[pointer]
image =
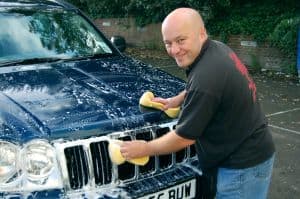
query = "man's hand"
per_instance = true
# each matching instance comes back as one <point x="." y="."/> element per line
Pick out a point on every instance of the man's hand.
<point x="134" y="149"/>
<point x="172" y="102"/>
<point x="165" y="144"/>
<point x="164" y="101"/>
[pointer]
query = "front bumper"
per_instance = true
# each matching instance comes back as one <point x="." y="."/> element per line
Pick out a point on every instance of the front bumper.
<point x="143" y="187"/>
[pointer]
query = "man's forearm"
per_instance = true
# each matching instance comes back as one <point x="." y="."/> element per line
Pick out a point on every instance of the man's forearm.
<point x="181" y="95"/>
<point x="168" y="143"/>
<point x="178" y="99"/>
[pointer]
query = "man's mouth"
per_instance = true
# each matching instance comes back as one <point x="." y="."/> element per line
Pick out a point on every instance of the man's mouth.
<point x="179" y="57"/>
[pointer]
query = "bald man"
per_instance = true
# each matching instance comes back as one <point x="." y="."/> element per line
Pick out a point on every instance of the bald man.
<point x="220" y="113"/>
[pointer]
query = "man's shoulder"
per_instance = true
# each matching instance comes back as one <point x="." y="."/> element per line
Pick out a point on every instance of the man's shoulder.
<point x="220" y="45"/>
<point x="216" y="57"/>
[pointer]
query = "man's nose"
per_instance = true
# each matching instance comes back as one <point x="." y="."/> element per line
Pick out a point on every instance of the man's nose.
<point x="174" y="49"/>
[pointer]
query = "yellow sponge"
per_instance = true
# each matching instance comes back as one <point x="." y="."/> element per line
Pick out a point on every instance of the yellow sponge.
<point x="146" y="100"/>
<point x="117" y="158"/>
<point x="114" y="152"/>
<point x="139" y="161"/>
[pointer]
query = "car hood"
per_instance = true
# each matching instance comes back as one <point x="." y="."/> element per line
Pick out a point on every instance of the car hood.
<point x="79" y="97"/>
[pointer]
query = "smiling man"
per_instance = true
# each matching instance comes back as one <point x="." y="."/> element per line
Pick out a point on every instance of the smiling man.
<point x="220" y="113"/>
<point x="184" y="38"/>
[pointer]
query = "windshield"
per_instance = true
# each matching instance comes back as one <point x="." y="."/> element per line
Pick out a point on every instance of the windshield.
<point x="37" y="34"/>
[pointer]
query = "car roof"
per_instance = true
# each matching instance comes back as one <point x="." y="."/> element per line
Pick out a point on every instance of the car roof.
<point x="35" y="3"/>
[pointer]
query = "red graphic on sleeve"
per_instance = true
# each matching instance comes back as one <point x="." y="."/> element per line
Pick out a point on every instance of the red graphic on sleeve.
<point x="243" y="70"/>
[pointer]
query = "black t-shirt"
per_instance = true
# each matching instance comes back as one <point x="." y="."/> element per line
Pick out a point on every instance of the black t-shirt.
<point x="222" y="113"/>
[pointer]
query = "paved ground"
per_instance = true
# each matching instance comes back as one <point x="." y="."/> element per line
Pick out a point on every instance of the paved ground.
<point x="280" y="99"/>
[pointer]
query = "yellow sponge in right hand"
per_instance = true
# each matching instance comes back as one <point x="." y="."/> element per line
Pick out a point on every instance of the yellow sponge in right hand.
<point x="114" y="152"/>
<point x="140" y="161"/>
<point x="117" y="158"/>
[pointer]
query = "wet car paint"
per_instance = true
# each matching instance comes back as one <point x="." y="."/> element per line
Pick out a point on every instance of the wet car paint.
<point x="61" y="98"/>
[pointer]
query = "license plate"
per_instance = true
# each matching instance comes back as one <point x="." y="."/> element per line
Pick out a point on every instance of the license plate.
<point x="184" y="190"/>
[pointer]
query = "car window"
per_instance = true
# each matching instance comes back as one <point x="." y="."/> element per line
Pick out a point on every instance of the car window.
<point x="30" y="34"/>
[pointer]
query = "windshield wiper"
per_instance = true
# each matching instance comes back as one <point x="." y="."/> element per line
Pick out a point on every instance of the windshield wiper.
<point x="92" y="56"/>
<point x="54" y="59"/>
<point x="100" y="55"/>
<point x="30" y="61"/>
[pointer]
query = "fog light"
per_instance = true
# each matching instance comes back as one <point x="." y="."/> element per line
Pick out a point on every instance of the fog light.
<point x="39" y="159"/>
<point x="8" y="161"/>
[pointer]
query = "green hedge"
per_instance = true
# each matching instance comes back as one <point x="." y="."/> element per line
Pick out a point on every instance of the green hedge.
<point x="273" y="22"/>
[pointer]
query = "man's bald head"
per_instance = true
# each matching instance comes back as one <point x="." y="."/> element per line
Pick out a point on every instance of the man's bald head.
<point x="184" y="34"/>
<point x="184" y="15"/>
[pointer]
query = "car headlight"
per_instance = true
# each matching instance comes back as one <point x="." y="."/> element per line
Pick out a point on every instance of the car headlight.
<point x="39" y="160"/>
<point x="9" y="166"/>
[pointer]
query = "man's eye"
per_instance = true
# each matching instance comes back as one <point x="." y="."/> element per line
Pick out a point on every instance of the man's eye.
<point x="180" y="41"/>
<point x="167" y="45"/>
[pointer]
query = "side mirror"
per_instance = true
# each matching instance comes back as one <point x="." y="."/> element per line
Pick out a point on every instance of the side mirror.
<point x="119" y="42"/>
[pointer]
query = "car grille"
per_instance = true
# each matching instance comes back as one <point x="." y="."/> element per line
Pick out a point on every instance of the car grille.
<point x="86" y="162"/>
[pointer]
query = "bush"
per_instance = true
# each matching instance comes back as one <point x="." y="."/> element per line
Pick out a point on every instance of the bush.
<point x="285" y="35"/>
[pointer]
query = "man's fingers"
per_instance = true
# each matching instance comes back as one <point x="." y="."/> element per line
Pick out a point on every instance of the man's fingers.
<point x="123" y="148"/>
<point x="160" y="100"/>
<point x="132" y="149"/>
<point x="124" y="152"/>
<point x="163" y="101"/>
<point x="126" y="149"/>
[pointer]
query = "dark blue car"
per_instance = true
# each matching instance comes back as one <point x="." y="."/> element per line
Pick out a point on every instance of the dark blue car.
<point x="65" y="91"/>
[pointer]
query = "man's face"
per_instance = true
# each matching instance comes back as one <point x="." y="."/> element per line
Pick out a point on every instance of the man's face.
<point x="183" y="43"/>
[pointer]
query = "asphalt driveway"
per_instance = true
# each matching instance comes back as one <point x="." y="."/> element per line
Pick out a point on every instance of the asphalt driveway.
<point x="280" y="99"/>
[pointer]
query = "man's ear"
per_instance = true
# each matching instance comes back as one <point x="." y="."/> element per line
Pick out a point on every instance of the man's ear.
<point x="203" y="35"/>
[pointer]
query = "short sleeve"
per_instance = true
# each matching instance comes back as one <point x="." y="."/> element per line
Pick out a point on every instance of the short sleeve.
<point x="197" y="111"/>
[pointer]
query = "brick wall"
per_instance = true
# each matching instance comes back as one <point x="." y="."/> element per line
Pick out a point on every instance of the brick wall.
<point x="257" y="54"/>
<point x="134" y="35"/>
<point x="251" y="52"/>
